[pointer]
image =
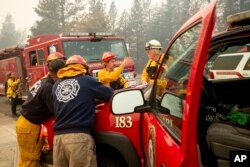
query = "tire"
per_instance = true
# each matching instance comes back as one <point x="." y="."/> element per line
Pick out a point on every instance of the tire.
<point x="109" y="157"/>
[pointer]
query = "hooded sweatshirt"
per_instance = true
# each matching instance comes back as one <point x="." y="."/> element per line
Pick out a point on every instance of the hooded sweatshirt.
<point x="38" y="106"/>
<point x="74" y="100"/>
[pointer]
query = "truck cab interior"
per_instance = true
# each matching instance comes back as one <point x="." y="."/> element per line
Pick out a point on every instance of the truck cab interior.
<point x="218" y="133"/>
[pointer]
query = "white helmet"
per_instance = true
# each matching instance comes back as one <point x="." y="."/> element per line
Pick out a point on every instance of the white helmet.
<point x="153" y="44"/>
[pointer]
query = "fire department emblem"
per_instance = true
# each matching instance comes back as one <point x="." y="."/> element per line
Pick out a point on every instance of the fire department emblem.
<point x="67" y="90"/>
<point x="151" y="146"/>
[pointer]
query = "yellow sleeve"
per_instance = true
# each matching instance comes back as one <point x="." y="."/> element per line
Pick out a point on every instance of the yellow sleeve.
<point x="170" y="60"/>
<point x="144" y="75"/>
<point x="10" y="82"/>
<point x="124" y="82"/>
<point x="106" y="77"/>
<point x="161" y="86"/>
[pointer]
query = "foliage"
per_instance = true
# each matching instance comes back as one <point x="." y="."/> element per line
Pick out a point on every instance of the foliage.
<point x="8" y="35"/>
<point x="95" y="20"/>
<point x="56" y="15"/>
<point x="136" y="25"/>
<point x="123" y="24"/>
<point x="141" y="23"/>
<point x="112" y="16"/>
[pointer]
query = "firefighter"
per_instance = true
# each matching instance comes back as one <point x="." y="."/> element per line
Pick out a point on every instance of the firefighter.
<point x="12" y="94"/>
<point x="74" y="103"/>
<point x="110" y="76"/>
<point x="6" y="83"/>
<point x="35" y="111"/>
<point x="153" y="49"/>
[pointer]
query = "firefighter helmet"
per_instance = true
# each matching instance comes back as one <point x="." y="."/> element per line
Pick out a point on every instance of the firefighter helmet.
<point x="76" y="59"/>
<point x="108" y="56"/>
<point x="54" y="56"/>
<point x="153" y="44"/>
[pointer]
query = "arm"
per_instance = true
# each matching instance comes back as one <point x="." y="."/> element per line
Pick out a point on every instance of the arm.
<point x="106" y="77"/>
<point x="46" y="95"/>
<point x="144" y="75"/>
<point x="100" y="91"/>
<point x="12" y="83"/>
<point x="124" y="82"/>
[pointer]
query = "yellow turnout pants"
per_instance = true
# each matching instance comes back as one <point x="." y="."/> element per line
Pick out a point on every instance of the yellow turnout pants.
<point x="29" y="144"/>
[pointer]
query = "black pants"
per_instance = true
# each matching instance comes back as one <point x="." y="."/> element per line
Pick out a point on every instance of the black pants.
<point x="14" y="103"/>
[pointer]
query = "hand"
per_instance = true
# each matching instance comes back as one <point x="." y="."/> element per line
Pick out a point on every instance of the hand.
<point x="45" y="149"/>
<point x="164" y="68"/>
<point x="135" y="74"/>
<point x="128" y="61"/>
<point x="144" y="83"/>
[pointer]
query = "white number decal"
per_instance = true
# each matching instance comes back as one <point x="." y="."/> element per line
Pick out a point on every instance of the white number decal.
<point x="123" y="122"/>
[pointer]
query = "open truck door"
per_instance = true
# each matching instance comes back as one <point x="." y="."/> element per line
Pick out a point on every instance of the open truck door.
<point x="169" y="132"/>
<point x="169" y="118"/>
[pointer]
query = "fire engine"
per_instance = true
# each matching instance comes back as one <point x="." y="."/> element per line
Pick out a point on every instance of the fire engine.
<point x="11" y="60"/>
<point x="29" y="61"/>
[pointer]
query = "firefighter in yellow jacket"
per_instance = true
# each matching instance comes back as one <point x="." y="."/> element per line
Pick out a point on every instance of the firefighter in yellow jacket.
<point x="153" y="50"/>
<point x="110" y="76"/>
<point x="12" y="94"/>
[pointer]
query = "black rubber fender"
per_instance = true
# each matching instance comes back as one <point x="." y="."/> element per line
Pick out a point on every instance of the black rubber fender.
<point x="121" y="143"/>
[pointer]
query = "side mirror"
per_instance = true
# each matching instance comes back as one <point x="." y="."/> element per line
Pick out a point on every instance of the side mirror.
<point x="125" y="102"/>
<point x="173" y="104"/>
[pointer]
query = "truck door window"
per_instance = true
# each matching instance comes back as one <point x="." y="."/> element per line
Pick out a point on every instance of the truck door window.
<point x="33" y="59"/>
<point x="227" y="62"/>
<point x="40" y="56"/>
<point x="171" y="86"/>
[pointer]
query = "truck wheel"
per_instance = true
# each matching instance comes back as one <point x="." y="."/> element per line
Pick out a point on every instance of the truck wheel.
<point x="109" y="157"/>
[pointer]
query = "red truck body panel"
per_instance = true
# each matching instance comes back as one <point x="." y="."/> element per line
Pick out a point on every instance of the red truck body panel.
<point x="11" y="61"/>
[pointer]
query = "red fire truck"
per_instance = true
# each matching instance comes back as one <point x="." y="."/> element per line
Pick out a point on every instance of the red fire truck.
<point x="29" y="61"/>
<point x="11" y="61"/>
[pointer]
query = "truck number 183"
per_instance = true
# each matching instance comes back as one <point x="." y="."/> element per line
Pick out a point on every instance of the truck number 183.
<point x="123" y="122"/>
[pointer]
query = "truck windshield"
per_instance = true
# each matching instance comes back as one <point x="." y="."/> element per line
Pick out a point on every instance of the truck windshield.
<point x="92" y="50"/>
